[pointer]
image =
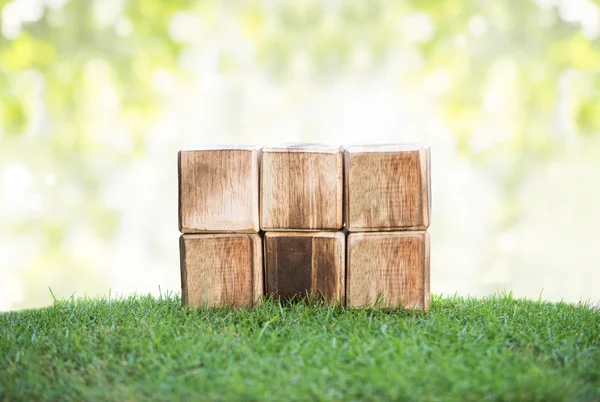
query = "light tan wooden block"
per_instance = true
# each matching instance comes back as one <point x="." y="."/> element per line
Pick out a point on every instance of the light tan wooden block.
<point x="389" y="268"/>
<point x="387" y="187"/>
<point x="301" y="263"/>
<point x="221" y="270"/>
<point x="218" y="190"/>
<point x="301" y="188"/>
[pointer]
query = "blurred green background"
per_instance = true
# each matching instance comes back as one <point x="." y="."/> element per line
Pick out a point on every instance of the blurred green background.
<point x="96" y="97"/>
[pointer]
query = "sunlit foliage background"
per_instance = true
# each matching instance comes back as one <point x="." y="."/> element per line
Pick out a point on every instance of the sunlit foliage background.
<point x="96" y="97"/>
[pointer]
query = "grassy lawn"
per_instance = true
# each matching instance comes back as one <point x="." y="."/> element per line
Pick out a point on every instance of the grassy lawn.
<point x="497" y="348"/>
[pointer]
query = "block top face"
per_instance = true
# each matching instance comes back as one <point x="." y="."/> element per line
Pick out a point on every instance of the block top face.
<point x="303" y="147"/>
<point x="218" y="189"/>
<point x="374" y="236"/>
<point x="384" y="148"/>
<point x="387" y="187"/>
<point x="326" y="235"/>
<point x="223" y="148"/>
<point x="301" y="188"/>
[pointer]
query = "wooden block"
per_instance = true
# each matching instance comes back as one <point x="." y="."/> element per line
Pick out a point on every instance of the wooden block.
<point x="221" y="269"/>
<point x="218" y="190"/>
<point x="297" y="263"/>
<point x="301" y="188"/>
<point x="387" y="187"/>
<point x="391" y="268"/>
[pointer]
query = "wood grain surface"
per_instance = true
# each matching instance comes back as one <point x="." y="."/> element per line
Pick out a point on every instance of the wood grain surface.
<point x="221" y="269"/>
<point x="301" y="263"/>
<point x="387" y="187"/>
<point x="301" y="188"/>
<point x="389" y="268"/>
<point x="218" y="190"/>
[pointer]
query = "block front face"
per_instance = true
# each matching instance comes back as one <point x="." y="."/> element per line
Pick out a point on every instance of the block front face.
<point x="387" y="187"/>
<point x="301" y="188"/>
<point x="218" y="190"/>
<point x="221" y="270"/>
<point x="391" y="269"/>
<point x="297" y="263"/>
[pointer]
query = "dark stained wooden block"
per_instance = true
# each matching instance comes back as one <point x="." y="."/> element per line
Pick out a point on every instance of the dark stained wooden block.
<point x="218" y="190"/>
<point x="390" y="268"/>
<point x="387" y="187"/>
<point x="221" y="269"/>
<point x="301" y="263"/>
<point x="301" y="188"/>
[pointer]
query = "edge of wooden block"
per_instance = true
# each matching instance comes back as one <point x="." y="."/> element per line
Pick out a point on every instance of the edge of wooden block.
<point x="258" y="191"/>
<point x="341" y="242"/>
<point x="426" y="272"/>
<point x="346" y="269"/>
<point x="264" y="265"/>
<point x="339" y="202"/>
<point x="183" y="272"/>
<point x="425" y="163"/>
<point x="261" y="172"/>
<point x="256" y="160"/>
<point x="179" y="214"/>
<point x="346" y="185"/>
<point x="257" y="264"/>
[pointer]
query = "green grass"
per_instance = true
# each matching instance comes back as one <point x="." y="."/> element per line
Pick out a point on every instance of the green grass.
<point x="140" y="348"/>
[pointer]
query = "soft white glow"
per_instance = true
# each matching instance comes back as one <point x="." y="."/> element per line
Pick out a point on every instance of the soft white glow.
<point x="546" y="4"/>
<point x="50" y="179"/>
<point x="438" y="82"/>
<point x="184" y="27"/>
<point x="583" y="12"/>
<point x="163" y="81"/>
<point x="107" y="12"/>
<point x="30" y="10"/>
<point x="34" y="202"/>
<point x="590" y="23"/>
<point x="418" y="27"/>
<point x="478" y="25"/>
<point x="124" y="27"/>
<point x="460" y="41"/>
<point x="11" y="21"/>
<point x="16" y="179"/>
<point x="11" y="289"/>
<point x="55" y="4"/>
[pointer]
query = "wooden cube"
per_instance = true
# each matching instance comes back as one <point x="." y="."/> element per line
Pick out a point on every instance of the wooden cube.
<point x="218" y="190"/>
<point x="301" y="263"/>
<point x="387" y="187"/>
<point x="388" y="270"/>
<point x="301" y="188"/>
<point x="221" y="269"/>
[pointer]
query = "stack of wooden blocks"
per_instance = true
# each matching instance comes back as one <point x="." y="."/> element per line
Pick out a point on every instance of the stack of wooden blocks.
<point x="345" y="225"/>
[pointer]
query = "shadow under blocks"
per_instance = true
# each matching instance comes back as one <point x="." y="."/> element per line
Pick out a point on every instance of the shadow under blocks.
<point x="347" y="226"/>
